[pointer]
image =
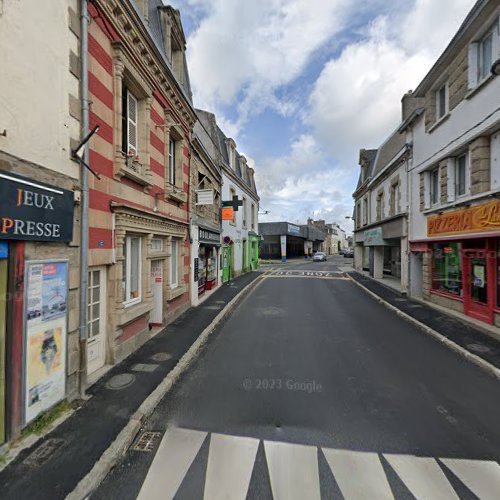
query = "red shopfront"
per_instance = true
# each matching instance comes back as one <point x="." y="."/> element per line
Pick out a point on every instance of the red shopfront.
<point x="465" y="267"/>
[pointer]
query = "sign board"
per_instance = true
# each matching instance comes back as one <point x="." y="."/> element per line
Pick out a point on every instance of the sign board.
<point x="292" y="229"/>
<point x="476" y="219"/>
<point x="196" y="269"/>
<point x="205" y="196"/>
<point x="228" y="213"/>
<point x="45" y="335"/>
<point x="206" y="236"/>
<point x="373" y="237"/>
<point x="31" y="210"/>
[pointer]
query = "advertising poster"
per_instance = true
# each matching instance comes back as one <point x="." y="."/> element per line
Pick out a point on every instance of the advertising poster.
<point x="45" y="336"/>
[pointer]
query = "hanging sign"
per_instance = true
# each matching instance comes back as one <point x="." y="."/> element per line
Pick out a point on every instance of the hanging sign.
<point x="228" y="213"/>
<point x="196" y="269"/>
<point x="205" y="196"/>
<point x="46" y="302"/>
<point x="31" y="210"/>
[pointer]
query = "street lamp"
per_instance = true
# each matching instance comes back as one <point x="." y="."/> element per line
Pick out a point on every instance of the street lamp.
<point x="495" y="68"/>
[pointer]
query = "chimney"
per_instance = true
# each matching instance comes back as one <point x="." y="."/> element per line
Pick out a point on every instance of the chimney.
<point x="409" y="103"/>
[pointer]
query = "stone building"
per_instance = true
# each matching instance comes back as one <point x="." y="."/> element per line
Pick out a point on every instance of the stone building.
<point x="39" y="221"/>
<point x="335" y="237"/>
<point x="139" y="208"/>
<point x="455" y="173"/>
<point x="206" y="229"/>
<point x="240" y="250"/>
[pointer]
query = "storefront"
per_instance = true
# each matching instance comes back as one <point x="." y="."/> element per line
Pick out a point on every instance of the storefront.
<point x="206" y="265"/>
<point x="253" y="250"/>
<point x="461" y="259"/>
<point x="36" y="227"/>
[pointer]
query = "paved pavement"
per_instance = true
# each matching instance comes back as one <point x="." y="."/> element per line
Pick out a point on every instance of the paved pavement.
<point x="53" y="466"/>
<point x="312" y="389"/>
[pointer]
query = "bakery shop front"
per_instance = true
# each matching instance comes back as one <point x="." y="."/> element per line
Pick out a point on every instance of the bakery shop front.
<point x="461" y="259"/>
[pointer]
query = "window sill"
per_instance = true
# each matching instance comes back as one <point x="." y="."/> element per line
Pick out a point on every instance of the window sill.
<point x="178" y="197"/>
<point x="133" y="311"/>
<point x="447" y="295"/>
<point x="479" y="86"/>
<point x="133" y="170"/>
<point x="173" y="293"/>
<point x="443" y="119"/>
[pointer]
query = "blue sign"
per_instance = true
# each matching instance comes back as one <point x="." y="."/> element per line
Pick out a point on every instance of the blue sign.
<point x="4" y="249"/>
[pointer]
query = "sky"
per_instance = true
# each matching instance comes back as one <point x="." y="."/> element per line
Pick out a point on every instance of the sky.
<point x="303" y="85"/>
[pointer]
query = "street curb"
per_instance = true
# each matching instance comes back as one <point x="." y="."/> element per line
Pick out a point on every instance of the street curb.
<point x="122" y="442"/>
<point x="478" y="361"/>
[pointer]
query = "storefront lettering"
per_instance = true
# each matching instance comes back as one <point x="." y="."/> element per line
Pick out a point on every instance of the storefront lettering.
<point x="474" y="219"/>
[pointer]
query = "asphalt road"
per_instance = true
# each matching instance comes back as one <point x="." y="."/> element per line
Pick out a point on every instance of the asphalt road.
<point x="312" y="389"/>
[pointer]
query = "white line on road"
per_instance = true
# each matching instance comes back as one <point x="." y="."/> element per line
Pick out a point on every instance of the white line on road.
<point x="230" y="465"/>
<point x="482" y="478"/>
<point x="293" y="470"/>
<point x="370" y="481"/>
<point x="175" y="455"/>
<point x="422" y="476"/>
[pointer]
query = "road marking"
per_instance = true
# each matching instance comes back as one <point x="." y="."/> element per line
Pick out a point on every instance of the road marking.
<point x="422" y="476"/>
<point x="175" y="455"/>
<point x="293" y="471"/>
<point x="230" y="466"/>
<point x="482" y="478"/>
<point x="370" y="481"/>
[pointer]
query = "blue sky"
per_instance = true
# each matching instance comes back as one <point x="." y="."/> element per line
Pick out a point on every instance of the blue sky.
<point x="303" y="85"/>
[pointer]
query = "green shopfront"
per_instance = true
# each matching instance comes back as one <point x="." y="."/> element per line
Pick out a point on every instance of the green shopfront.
<point x="253" y="251"/>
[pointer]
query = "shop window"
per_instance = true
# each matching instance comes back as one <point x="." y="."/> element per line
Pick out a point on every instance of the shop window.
<point x="446" y="268"/>
<point x="174" y="264"/>
<point x="132" y="271"/>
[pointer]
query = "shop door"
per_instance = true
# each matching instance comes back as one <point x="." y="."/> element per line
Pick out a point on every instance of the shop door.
<point x="3" y="314"/>
<point x="244" y="264"/>
<point x="96" y="320"/>
<point x="227" y="262"/>
<point x="157" y="289"/>
<point x="478" y="296"/>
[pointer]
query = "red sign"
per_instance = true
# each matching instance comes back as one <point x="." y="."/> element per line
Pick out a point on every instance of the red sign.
<point x="228" y="213"/>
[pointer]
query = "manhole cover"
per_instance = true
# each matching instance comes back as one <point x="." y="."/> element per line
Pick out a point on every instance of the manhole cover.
<point x="44" y="452"/>
<point x="211" y="308"/>
<point x="144" y="367"/>
<point x="161" y="356"/>
<point x="147" y="441"/>
<point x="481" y="349"/>
<point x="120" y="381"/>
<point x="399" y="300"/>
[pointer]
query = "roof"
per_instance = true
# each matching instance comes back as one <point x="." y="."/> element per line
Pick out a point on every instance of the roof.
<point x="388" y="151"/>
<point x="368" y="156"/>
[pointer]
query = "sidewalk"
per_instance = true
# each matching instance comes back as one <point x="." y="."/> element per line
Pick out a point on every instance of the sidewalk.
<point x="55" y="464"/>
<point x="473" y="340"/>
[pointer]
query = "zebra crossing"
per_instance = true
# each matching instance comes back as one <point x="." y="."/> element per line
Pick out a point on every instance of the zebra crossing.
<point x="294" y="472"/>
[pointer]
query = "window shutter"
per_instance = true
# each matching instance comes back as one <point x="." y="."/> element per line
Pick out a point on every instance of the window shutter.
<point x="132" y="122"/>
<point x="473" y="64"/>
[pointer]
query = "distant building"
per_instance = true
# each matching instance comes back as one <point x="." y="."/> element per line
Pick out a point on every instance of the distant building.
<point x="335" y="237"/>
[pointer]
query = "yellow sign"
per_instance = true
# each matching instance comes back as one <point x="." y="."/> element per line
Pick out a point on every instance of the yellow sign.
<point x="228" y="213"/>
<point x="470" y="220"/>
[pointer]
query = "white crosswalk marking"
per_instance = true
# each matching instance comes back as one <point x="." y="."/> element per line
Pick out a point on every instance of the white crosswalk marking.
<point x="175" y="455"/>
<point x="230" y="465"/>
<point x="293" y="470"/>
<point x="482" y="478"/>
<point x="423" y="477"/>
<point x="359" y="475"/>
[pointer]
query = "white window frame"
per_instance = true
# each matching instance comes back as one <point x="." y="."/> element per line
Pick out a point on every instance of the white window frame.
<point x="441" y="113"/>
<point x="244" y="213"/>
<point x="157" y="245"/>
<point x="467" y="176"/>
<point x="437" y="192"/>
<point x="127" y="277"/>
<point x="132" y="123"/>
<point x="174" y="245"/>
<point x="483" y="71"/>
<point x="171" y="161"/>
<point x="252" y="217"/>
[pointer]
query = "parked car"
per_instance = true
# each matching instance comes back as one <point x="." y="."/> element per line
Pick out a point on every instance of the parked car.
<point x="319" y="257"/>
<point x="349" y="253"/>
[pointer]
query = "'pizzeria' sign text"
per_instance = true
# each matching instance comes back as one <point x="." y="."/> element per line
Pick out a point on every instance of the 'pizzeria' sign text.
<point x="470" y="220"/>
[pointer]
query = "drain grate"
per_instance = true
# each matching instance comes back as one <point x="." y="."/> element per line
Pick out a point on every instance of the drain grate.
<point x="479" y="348"/>
<point x="147" y="441"/>
<point x="44" y="452"/>
<point x="120" y="381"/>
<point x="144" y="367"/>
<point x="161" y="356"/>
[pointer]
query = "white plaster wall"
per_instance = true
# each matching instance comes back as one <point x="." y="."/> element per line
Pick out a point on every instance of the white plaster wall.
<point x="35" y="81"/>
<point x="236" y="232"/>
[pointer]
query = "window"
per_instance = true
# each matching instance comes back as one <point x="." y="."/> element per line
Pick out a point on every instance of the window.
<point x="380" y="206"/>
<point x="446" y="268"/>
<point x="485" y="56"/>
<point x="157" y="245"/>
<point x="358" y="215"/>
<point x="461" y="175"/>
<point x="232" y="194"/>
<point x="132" y="270"/>
<point x="441" y="101"/>
<point x="244" y="209"/>
<point x="130" y="111"/>
<point x="174" y="264"/>
<point x="171" y="161"/>
<point x="252" y="215"/>
<point x="434" y="186"/>
<point x="365" y="211"/>
<point x="394" y="208"/>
